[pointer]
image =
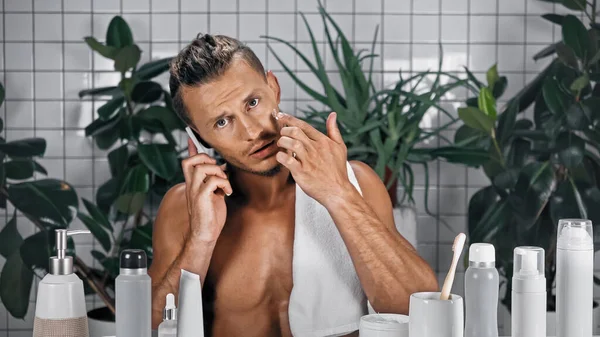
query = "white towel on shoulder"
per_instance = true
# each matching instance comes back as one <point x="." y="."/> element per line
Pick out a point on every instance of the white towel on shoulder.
<point x="327" y="298"/>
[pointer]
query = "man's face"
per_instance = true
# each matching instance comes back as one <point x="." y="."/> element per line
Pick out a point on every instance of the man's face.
<point x="234" y="115"/>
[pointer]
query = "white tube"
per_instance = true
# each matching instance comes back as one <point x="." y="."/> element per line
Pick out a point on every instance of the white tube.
<point x="190" y="322"/>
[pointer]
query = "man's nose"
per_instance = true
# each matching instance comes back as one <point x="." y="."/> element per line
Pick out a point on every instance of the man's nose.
<point x="253" y="126"/>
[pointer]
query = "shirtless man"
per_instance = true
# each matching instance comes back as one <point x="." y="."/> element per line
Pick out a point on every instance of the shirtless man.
<point x="234" y="225"/>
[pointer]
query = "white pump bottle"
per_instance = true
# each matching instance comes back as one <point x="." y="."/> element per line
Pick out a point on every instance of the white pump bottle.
<point x="528" y="315"/>
<point x="60" y="306"/>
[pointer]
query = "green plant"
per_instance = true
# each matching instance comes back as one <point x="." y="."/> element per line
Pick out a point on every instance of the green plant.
<point x="135" y="125"/>
<point x="541" y="169"/>
<point x="380" y="127"/>
<point x="48" y="203"/>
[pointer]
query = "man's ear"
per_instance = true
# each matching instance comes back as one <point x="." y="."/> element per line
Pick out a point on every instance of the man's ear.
<point x="273" y="83"/>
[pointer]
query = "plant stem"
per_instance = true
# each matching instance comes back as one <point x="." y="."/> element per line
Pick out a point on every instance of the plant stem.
<point x="500" y="156"/>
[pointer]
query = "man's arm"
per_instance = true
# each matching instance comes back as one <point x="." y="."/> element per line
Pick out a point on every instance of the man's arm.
<point x="173" y="250"/>
<point x="387" y="265"/>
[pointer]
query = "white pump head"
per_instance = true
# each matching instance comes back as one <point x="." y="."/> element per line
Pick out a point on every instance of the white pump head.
<point x="61" y="264"/>
<point x="528" y="262"/>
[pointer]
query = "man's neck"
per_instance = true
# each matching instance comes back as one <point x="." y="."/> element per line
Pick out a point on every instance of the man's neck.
<point x="265" y="191"/>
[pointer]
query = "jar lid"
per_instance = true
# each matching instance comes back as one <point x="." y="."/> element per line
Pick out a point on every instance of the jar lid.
<point x="384" y="322"/>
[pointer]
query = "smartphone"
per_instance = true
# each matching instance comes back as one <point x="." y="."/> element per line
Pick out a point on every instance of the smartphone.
<point x="201" y="149"/>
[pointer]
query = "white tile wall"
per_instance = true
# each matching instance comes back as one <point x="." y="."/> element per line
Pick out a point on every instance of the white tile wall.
<point x="44" y="64"/>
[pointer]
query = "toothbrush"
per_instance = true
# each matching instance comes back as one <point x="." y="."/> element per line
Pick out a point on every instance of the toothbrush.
<point x="457" y="247"/>
<point x="201" y="149"/>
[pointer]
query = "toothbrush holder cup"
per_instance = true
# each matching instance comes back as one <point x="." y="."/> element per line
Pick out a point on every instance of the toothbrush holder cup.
<point x="432" y="317"/>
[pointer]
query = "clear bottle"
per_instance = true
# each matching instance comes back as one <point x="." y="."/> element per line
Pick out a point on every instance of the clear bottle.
<point x="168" y="327"/>
<point x="574" y="278"/>
<point x="481" y="292"/>
<point x="528" y="316"/>
<point x="132" y="296"/>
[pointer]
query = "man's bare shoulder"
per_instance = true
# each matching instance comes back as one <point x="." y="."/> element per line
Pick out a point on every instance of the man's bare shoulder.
<point x="370" y="184"/>
<point x="172" y="216"/>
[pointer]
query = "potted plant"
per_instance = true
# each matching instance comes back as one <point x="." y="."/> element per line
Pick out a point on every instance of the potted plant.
<point x="136" y="125"/>
<point x="380" y="127"/>
<point x="541" y="169"/>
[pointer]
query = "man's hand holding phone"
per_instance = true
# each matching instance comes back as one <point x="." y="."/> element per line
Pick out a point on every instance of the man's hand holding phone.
<point x="206" y="186"/>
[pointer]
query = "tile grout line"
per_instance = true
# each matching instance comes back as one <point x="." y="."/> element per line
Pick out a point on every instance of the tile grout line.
<point x="4" y="106"/>
<point x="93" y="85"/>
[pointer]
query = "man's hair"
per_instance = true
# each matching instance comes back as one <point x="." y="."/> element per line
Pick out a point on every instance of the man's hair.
<point x="206" y="58"/>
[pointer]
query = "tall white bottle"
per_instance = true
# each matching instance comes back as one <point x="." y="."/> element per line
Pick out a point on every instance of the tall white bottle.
<point x="133" y="296"/>
<point x="528" y="316"/>
<point x="574" y="278"/>
<point x="481" y="292"/>
<point x="60" y="305"/>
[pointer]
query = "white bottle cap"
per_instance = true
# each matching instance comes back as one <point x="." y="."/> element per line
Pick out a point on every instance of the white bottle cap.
<point x="482" y="253"/>
<point x="528" y="262"/>
<point x="575" y="234"/>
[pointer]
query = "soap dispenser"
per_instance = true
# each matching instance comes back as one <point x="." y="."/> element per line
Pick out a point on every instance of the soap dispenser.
<point x="60" y="306"/>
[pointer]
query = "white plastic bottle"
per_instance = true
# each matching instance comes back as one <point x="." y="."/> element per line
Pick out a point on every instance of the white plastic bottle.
<point x="481" y="292"/>
<point x="528" y="316"/>
<point x="574" y="278"/>
<point x="132" y="296"/>
<point x="168" y="327"/>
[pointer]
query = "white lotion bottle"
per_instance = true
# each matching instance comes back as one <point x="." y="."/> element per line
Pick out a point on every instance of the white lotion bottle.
<point x="168" y="327"/>
<point x="528" y="315"/>
<point x="133" y="295"/>
<point x="60" y="305"/>
<point x="574" y="278"/>
<point x="481" y="292"/>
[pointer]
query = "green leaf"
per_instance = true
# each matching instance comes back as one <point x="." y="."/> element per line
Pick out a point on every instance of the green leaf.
<point x="37" y="249"/>
<point x="576" y="5"/>
<point x="152" y="69"/>
<point x="460" y="155"/>
<point x="506" y="122"/>
<point x="577" y="116"/>
<point x="118" y="34"/>
<point x="570" y="149"/>
<point x="106" y="51"/>
<point x="99" y="233"/>
<point x="567" y="55"/>
<point x="506" y="180"/>
<point x="549" y="50"/>
<point x="105" y="140"/>
<point x="133" y="191"/>
<point x="127" y="58"/>
<point x="15" y="285"/>
<point x="126" y="85"/>
<point x="10" y="239"/>
<point x="519" y="152"/>
<point x="2" y="94"/>
<point x="493" y="221"/>
<point x="19" y="169"/>
<point x="594" y="59"/>
<point x="39" y="168"/>
<point x="500" y="87"/>
<point x="580" y="83"/>
<point x="28" y="147"/>
<point x="146" y="92"/>
<point x="528" y="94"/>
<point x="117" y="159"/>
<point x="97" y="214"/>
<point x="554" y="18"/>
<point x="492" y="76"/>
<point x="476" y="119"/>
<point x="105" y="91"/>
<point x="555" y="99"/>
<point x="161" y="159"/>
<point x="473" y="78"/>
<point x="479" y="204"/>
<point x="532" y="192"/>
<point x="110" y="108"/>
<point x="593" y="105"/>
<point x="487" y="103"/>
<point x="107" y="194"/>
<point x="52" y="202"/>
<point x="141" y="238"/>
<point x="564" y="203"/>
<point x="575" y="35"/>
<point x="100" y="126"/>
<point x="468" y="137"/>
<point x="159" y="113"/>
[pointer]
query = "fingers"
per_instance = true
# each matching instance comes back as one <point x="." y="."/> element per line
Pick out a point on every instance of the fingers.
<point x="288" y="161"/>
<point x="296" y="133"/>
<point x="213" y="183"/>
<point x="192" y="150"/>
<point x="188" y="164"/>
<point x="201" y="172"/>
<point x="293" y="146"/>
<point x="332" y="129"/>
<point x="284" y="119"/>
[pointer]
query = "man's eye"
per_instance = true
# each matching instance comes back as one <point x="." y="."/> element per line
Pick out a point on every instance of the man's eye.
<point x="221" y="123"/>
<point x="253" y="103"/>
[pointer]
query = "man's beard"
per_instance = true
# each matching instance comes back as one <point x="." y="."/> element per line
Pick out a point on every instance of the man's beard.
<point x="268" y="173"/>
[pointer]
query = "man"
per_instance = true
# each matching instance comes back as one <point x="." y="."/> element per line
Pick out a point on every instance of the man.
<point x="233" y="224"/>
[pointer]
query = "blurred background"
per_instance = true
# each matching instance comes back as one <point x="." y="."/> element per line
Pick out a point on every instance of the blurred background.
<point x="89" y="139"/>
